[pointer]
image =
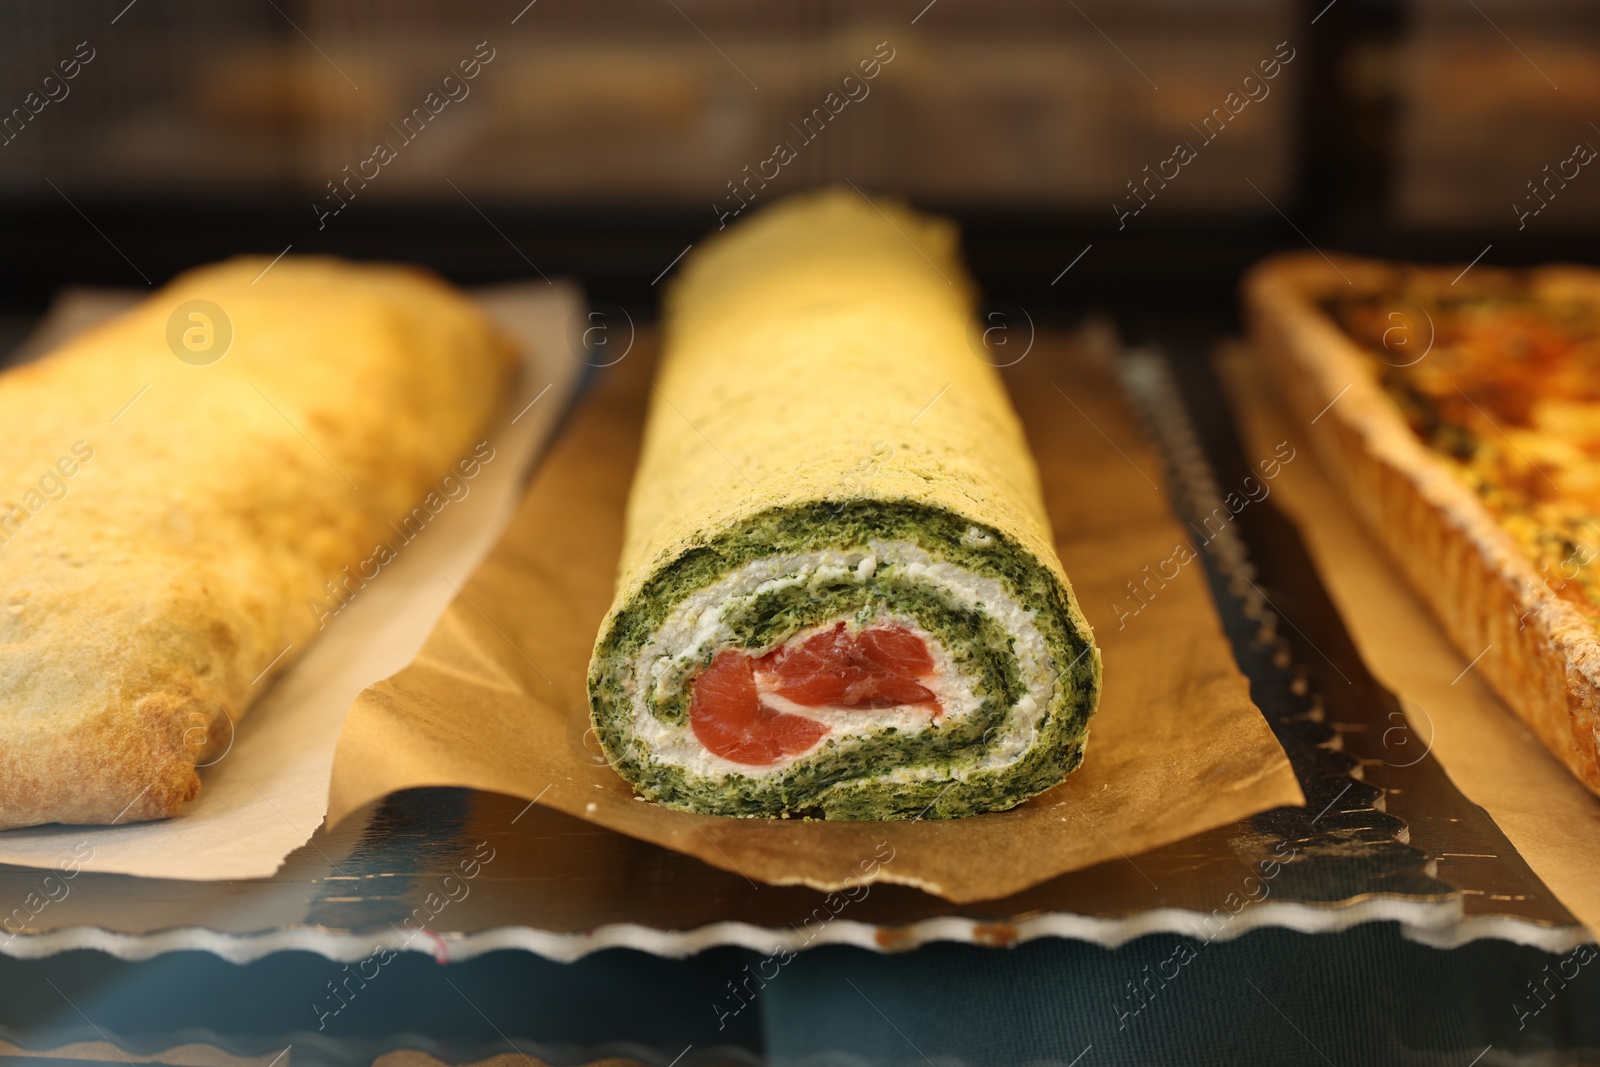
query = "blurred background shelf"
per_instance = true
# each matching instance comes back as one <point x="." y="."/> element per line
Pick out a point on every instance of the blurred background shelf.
<point x="600" y="140"/>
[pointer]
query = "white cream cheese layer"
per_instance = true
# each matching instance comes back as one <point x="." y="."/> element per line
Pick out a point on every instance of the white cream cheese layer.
<point x="699" y="626"/>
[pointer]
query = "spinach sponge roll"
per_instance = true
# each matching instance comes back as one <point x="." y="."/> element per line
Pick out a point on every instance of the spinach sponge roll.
<point x="837" y="595"/>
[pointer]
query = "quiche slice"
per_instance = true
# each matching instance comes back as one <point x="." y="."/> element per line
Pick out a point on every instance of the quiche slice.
<point x="1460" y="414"/>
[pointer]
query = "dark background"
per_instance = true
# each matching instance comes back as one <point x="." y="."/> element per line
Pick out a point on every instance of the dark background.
<point x="597" y="140"/>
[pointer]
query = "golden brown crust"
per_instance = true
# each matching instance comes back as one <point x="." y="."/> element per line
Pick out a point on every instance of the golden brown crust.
<point x="167" y="529"/>
<point x="1538" y="652"/>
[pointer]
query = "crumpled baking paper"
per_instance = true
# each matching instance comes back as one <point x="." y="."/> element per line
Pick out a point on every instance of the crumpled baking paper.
<point x="496" y="698"/>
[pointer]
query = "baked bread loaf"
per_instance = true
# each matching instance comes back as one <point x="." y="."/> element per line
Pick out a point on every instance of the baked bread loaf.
<point x="838" y="595"/>
<point x="1460" y="413"/>
<point x="190" y="491"/>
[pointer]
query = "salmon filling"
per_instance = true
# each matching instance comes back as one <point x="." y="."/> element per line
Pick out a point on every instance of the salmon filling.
<point x="731" y="706"/>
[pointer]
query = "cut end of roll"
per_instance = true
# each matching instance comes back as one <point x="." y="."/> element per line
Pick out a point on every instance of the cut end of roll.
<point x="881" y="660"/>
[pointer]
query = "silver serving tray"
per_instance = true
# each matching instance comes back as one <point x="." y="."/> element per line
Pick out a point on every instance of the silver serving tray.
<point x="1384" y="836"/>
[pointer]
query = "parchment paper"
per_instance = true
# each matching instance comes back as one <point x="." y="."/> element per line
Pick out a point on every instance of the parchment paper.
<point x="1498" y="763"/>
<point x="496" y="700"/>
<point x="269" y="792"/>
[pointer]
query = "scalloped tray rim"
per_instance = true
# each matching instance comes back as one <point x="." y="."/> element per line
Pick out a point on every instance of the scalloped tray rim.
<point x="1438" y="924"/>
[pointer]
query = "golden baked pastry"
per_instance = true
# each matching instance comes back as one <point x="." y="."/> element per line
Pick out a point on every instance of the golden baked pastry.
<point x="1460" y="412"/>
<point x="175" y="531"/>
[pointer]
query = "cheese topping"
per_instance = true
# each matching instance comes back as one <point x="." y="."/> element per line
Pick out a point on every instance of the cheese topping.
<point x="1506" y="390"/>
